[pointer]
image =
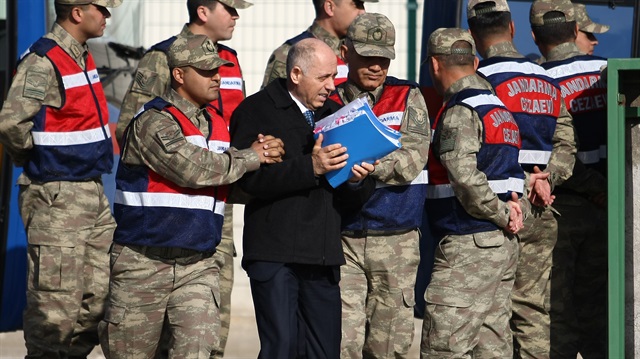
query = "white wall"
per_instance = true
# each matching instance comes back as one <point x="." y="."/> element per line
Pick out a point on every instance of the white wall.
<point x="260" y="29"/>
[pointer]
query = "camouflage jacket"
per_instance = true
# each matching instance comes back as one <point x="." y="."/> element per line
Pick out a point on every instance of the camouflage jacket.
<point x="562" y="158"/>
<point x="404" y="164"/>
<point x="276" y="66"/>
<point x="34" y="85"/>
<point x="155" y="140"/>
<point x="462" y="131"/>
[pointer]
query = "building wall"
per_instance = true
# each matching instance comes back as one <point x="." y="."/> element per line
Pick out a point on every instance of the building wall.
<point x="260" y="29"/>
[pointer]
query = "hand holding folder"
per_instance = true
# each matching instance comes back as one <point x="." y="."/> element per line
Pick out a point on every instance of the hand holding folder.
<point x="357" y="128"/>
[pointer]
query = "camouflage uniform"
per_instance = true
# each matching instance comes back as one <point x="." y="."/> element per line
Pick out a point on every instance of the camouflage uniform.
<point x="530" y="296"/>
<point x="183" y="283"/>
<point x="276" y="66"/>
<point x="377" y="281"/>
<point x="67" y="220"/>
<point x="579" y="276"/>
<point x="468" y="298"/>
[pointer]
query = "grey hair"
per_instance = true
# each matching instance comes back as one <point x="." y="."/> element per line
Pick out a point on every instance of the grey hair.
<point x="302" y="54"/>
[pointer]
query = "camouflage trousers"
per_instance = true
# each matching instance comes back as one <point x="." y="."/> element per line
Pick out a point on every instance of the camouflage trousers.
<point x="579" y="280"/>
<point x="69" y="229"/>
<point x="225" y="251"/>
<point x="149" y="293"/>
<point x="376" y="288"/>
<point x="468" y="298"/>
<point x="531" y="290"/>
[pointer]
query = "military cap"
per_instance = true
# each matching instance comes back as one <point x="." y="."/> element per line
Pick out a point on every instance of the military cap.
<point x="196" y="51"/>
<point x="585" y="23"/>
<point x="236" y="4"/>
<point x="495" y="6"/>
<point x="105" y="3"/>
<point x="540" y="7"/>
<point x="442" y="39"/>
<point x="373" y="35"/>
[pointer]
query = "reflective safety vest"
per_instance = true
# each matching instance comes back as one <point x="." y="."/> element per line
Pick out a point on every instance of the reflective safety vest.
<point x="497" y="159"/>
<point x="585" y="96"/>
<point x="391" y="208"/>
<point x="73" y="142"/>
<point x="152" y="211"/>
<point x="533" y="98"/>
<point x="231" y="84"/>
<point x="343" y="69"/>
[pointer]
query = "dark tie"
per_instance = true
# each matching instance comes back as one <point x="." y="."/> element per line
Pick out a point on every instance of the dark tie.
<point x="308" y="115"/>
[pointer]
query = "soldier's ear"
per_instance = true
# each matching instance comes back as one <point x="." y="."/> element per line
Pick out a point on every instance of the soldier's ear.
<point x="76" y="14"/>
<point x="343" y="52"/>
<point x="178" y="75"/>
<point x="328" y="6"/>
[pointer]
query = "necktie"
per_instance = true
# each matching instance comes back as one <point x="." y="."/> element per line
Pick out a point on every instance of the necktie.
<point x="308" y="115"/>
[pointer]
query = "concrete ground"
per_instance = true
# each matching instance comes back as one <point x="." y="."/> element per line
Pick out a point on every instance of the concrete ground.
<point x="243" y="335"/>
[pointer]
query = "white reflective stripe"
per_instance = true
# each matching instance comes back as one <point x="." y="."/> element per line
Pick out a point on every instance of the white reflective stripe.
<point x="501" y="186"/>
<point x="197" y="140"/>
<point x="79" y="79"/>
<point x="391" y="118"/>
<point x="218" y="146"/>
<point x="70" y="138"/>
<point x="576" y="67"/>
<point x="172" y="200"/>
<point x="423" y="178"/>
<point x="343" y="71"/>
<point x="440" y="191"/>
<point x="589" y="157"/>
<point x="231" y="83"/>
<point x="534" y="157"/>
<point x="603" y="151"/>
<point x="480" y="100"/>
<point x="512" y="66"/>
<point x="504" y="186"/>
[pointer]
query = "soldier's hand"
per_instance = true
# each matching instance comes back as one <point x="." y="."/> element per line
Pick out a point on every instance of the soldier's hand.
<point x="515" y="215"/>
<point x="329" y="158"/>
<point x="540" y="189"/>
<point x="361" y="171"/>
<point x="268" y="148"/>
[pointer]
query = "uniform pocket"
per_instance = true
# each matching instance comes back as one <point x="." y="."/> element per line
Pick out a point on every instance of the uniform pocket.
<point x="489" y="239"/>
<point x="446" y="311"/>
<point x="54" y="268"/>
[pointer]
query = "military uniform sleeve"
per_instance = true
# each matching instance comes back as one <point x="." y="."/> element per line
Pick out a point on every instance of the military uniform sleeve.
<point x="151" y="79"/>
<point x="35" y="84"/>
<point x="458" y="141"/>
<point x="156" y="141"/>
<point x="562" y="158"/>
<point x="405" y="164"/>
<point x="277" y="65"/>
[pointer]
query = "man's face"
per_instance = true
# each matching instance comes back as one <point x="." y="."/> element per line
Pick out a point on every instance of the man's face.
<point x="586" y="42"/>
<point x="344" y="12"/>
<point x="221" y="21"/>
<point x="200" y="86"/>
<point x="94" y="20"/>
<point x="368" y="73"/>
<point x="314" y="85"/>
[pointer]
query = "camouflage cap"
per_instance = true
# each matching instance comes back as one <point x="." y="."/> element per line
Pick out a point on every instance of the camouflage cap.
<point x="585" y="23"/>
<point x="497" y="5"/>
<point x="442" y="39"/>
<point x="373" y="35"/>
<point x="196" y="51"/>
<point x="540" y="7"/>
<point x="236" y="4"/>
<point x="105" y="3"/>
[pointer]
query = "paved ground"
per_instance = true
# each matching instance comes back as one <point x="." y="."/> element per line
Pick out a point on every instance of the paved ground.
<point x="243" y="337"/>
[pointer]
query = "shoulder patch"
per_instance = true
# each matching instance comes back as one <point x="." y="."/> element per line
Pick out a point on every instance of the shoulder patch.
<point x="35" y="84"/>
<point x="448" y="139"/>
<point x="170" y="138"/>
<point x="418" y="121"/>
<point x="144" y="82"/>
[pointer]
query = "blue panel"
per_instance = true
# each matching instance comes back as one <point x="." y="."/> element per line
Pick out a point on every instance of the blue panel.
<point x="30" y="26"/>
<point x="437" y="14"/>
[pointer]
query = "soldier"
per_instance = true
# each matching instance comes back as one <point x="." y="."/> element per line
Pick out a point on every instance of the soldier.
<point x="333" y="18"/>
<point x="54" y="125"/>
<point x="215" y="19"/>
<point x="586" y="40"/>
<point x="579" y="275"/>
<point x="547" y="143"/>
<point x="473" y="208"/>
<point x="169" y="207"/>
<point x="381" y="242"/>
